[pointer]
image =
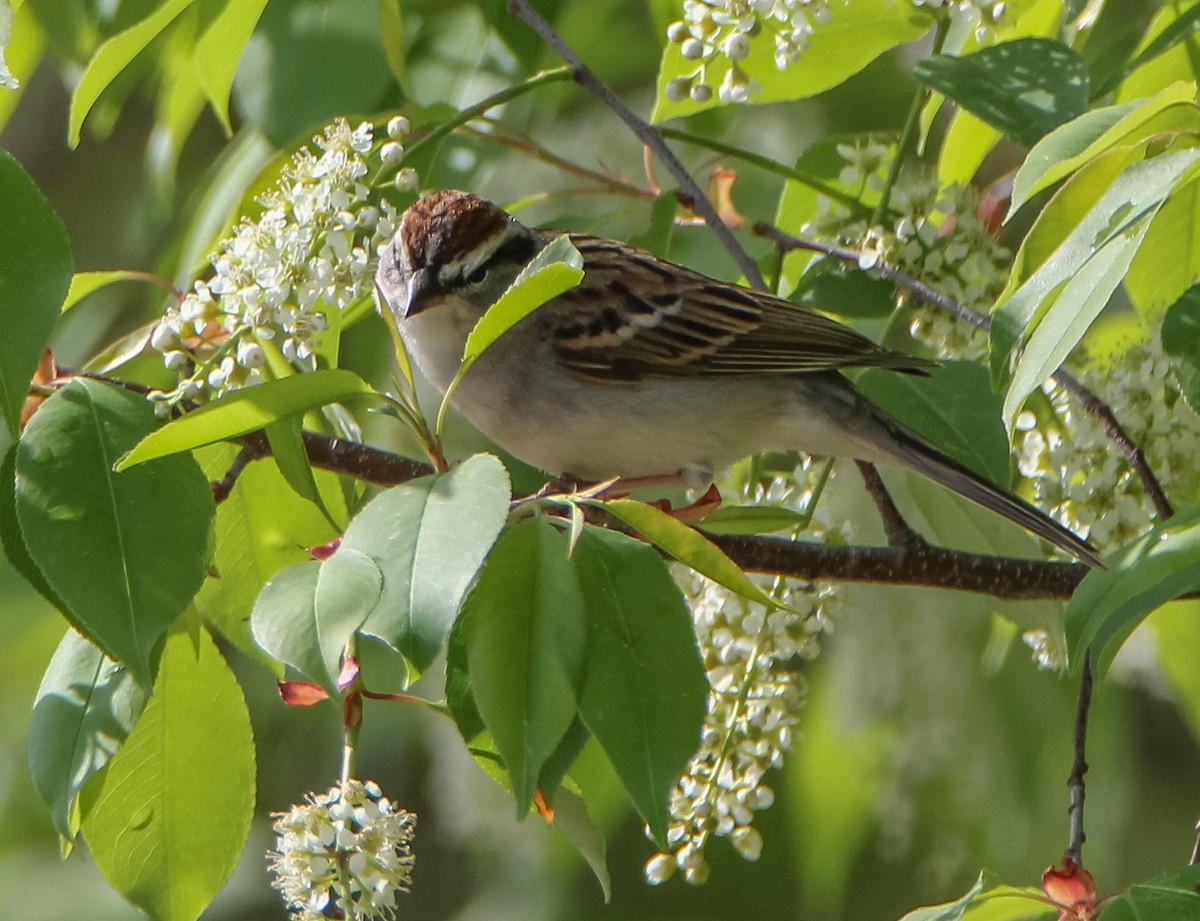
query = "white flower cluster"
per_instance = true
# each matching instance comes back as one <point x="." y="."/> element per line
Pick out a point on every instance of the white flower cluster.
<point x="726" y="28"/>
<point x="1074" y="467"/>
<point x="7" y="80"/>
<point x="753" y="656"/>
<point x="311" y="250"/>
<point x="985" y="14"/>
<point x="345" y="854"/>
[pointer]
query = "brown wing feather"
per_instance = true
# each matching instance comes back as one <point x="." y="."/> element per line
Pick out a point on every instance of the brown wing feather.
<point x="678" y="321"/>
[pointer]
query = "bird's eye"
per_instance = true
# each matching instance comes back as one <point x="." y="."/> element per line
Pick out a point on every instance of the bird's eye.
<point x="477" y="275"/>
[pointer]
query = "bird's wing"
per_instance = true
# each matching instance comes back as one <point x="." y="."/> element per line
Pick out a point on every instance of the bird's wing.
<point x="636" y="315"/>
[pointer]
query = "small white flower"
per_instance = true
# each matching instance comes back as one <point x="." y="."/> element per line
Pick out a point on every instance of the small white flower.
<point x="392" y="152"/>
<point x="398" y="126"/>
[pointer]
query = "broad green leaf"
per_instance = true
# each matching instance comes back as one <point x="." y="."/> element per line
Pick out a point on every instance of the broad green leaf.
<point x="286" y="439"/>
<point x="954" y="407"/>
<point x="947" y="911"/>
<point x="35" y="272"/>
<point x="85" y="283"/>
<point x="1165" y="54"/>
<point x="854" y="36"/>
<point x="1066" y="149"/>
<point x="523" y="626"/>
<point x="248" y="410"/>
<point x="113" y="57"/>
<point x="1168" y="262"/>
<point x="832" y="287"/>
<point x="429" y="537"/>
<point x="1181" y="340"/>
<point x="1025" y="87"/>
<point x="15" y="550"/>
<point x="1177" y="640"/>
<point x="167" y="821"/>
<point x="125" y="552"/>
<point x="572" y="819"/>
<point x="305" y="615"/>
<point x="687" y="545"/>
<point x="1037" y="325"/>
<point x="645" y="688"/>
<point x="220" y="48"/>
<point x="557" y="268"/>
<point x="1139" y="577"/>
<point x="261" y="527"/>
<point x="1173" y="896"/>
<point x="83" y="711"/>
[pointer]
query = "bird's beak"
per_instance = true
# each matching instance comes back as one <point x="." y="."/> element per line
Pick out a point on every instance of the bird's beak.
<point x="420" y="289"/>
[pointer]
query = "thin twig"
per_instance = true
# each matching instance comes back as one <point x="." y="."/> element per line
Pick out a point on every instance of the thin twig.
<point x="899" y="532"/>
<point x="648" y="135"/>
<point x="1087" y="400"/>
<point x="536" y="151"/>
<point x="1075" y="784"/>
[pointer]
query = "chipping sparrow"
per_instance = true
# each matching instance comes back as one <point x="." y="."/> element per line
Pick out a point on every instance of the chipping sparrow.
<point x="647" y="368"/>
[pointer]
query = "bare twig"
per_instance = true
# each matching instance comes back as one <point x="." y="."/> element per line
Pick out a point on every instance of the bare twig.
<point x="899" y="532"/>
<point x="1088" y="401"/>
<point x="648" y="135"/>
<point x="1079" y="766"/>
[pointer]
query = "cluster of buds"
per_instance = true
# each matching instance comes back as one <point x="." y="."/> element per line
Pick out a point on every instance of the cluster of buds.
<point x="986" y="14"/>
<point x="344" y="854"/>
<point x="727" y="28"/>
<point x="311" y="250"/>
<point x="753" y="656"/>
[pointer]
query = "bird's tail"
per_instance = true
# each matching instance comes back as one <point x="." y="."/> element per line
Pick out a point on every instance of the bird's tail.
<point x="904" y="446"/>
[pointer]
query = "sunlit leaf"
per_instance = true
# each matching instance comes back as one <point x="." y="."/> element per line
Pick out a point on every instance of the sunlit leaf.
<point x="248" y="410"/>
<point x="166" y="822"/>
<point x="125" y="552"/>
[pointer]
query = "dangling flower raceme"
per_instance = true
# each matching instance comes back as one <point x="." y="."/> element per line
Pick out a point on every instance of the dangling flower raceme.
<point x="344" y="853"/>
<point x="312" y="249"/>
<point x="753" y="656"/>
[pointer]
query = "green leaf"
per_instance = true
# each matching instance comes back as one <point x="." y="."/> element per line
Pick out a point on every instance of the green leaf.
<point x="1038" y="324"/>
<point x="125" y="552"/>
<point x="831" y="287"/>
<point x="947" y="911"/>
<point x="219" y="49"/>
<point x="954" y="407"/>
<point x="687" y="545"/>
<point x="286" y="439"/>
<point x="1181" y="341"/>
<point x="853" y="37"/>
<point x="753" y="519"/>
<point x="1173" y="896"/>
<point x="1026" y="87"/>
<point x="557" y="268"/>
<point x="305" y="615"/>
<point x="1168" y="262"/>
<point x="85" y="283"/>
<point x="15" y="550"/>
<point x="248" y="410"/>
<point x="572" y="819"/>
<point x="167" y="821"/>
<point x="644" y="694"/>
<point x="261" y="527"/>
<point x="83" y="711"/>
<point x="114" y="56"/>
<point x="1142" y="575"/>
<point x="523" y="626"/>
<point x="429" y="536"/>
<point x="1068" y="148"/>
<point x="391" y="33"/>
<point x="35" y="272"/>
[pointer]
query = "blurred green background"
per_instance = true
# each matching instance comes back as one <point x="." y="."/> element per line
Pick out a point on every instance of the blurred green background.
<point x="932" y="745"/>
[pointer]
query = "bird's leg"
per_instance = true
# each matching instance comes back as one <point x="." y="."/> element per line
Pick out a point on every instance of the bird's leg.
<point x="899" y="532"/>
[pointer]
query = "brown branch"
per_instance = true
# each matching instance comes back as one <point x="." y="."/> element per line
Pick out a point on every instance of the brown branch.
<point x="1087" y="400"/>
<point x="646" y="132"/>
<point x="899" y="532"/>
<point x="910" y="564"/>
<point x="1079" y="766"/>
